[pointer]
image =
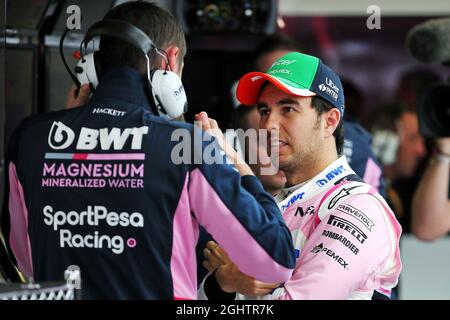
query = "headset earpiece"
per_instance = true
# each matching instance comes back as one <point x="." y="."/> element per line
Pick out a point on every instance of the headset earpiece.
<point x="87" y="70"/>
<point x="150" y="98"/>
<point x="168" y="93"/>
<point x="385" y="145"/>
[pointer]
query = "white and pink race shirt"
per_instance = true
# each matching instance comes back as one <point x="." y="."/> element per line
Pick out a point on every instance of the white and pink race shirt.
<point x="346" y="239"/>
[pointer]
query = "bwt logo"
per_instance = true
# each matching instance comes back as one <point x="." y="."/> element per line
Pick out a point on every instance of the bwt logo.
<point x="61" y="137"/>
<point x="291" y="201"/>
<point x="330" y="175"/>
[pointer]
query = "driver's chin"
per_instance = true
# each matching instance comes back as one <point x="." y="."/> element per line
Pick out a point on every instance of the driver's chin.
<point x="283" y="163"/>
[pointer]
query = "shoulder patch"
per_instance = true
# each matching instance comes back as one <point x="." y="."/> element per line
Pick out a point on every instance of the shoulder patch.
<point x="339" y="194"/>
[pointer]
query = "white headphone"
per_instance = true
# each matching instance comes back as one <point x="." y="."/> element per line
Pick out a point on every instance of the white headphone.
<point x="165" y="89"/>
<point x="86" y="71"/>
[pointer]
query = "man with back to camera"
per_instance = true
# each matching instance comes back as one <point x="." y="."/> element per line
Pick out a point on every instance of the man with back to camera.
<point x="131" y="224"/>
<point x="346" y="237"/>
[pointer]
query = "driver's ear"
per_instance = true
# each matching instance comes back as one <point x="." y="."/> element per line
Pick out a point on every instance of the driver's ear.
<point x="331" y="121"/>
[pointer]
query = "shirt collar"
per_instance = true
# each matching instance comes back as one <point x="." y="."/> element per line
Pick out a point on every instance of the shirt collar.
<point x="125" y="84"/>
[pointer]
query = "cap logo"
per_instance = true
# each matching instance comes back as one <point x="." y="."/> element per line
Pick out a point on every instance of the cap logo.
<point x="285" y="71"/>
<point x="283" y="62"/>
<point x="329" y="88"/>
<point x="330" y="83"/>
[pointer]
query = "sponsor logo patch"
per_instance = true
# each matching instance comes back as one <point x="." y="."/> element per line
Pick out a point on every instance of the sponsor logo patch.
<point x="352" y="211"/>
<point x="291" y="201"/>
<point x="321" y="248"/>
<point x="349" y="227"/>
<point x="339" y="237"/>
<point x="61" y="137"/>
<point x="93" y="216"/>
<point x="300" y="211"/>
<point x="345" y="192"/>
<point x="330" y="175"/>
<point x="109" y="111"/>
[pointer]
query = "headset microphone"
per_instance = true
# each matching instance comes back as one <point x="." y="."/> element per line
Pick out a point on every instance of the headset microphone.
<point x="61" y="52"/>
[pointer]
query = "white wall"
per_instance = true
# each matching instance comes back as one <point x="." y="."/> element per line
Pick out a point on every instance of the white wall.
<point x="359" y="7"/>
<point x="426" y="269"/>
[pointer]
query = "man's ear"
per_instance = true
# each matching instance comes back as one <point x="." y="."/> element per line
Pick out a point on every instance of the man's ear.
<point x="332" y="119"/>
<point x="173" y="53"/>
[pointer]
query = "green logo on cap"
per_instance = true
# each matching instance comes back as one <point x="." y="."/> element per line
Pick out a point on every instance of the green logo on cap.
<point x="295" y="69"/>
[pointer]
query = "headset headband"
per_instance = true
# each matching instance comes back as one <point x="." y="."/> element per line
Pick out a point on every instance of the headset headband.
<point x="122" y="30"/>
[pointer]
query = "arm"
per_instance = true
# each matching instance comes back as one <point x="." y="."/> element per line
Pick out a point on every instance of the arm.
<point x="225" y="278"/>
<point x="431" y="205"/>
<point x="236" y="210"/>
<point x="15" y="221"/>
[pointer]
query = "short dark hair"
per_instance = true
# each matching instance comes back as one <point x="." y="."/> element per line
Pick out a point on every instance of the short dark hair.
<point x="157" y="23"/>
<point x="321" y="106"/>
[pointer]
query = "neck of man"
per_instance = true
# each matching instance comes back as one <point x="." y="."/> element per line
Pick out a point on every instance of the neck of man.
<point x="306" y="170"/>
